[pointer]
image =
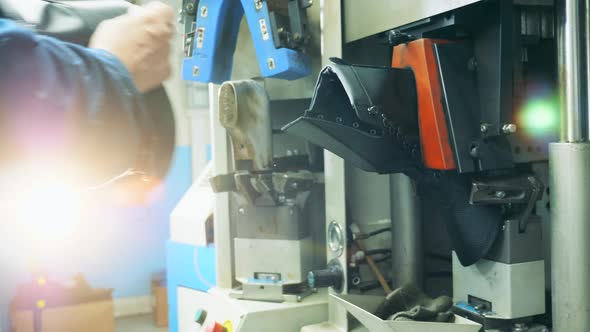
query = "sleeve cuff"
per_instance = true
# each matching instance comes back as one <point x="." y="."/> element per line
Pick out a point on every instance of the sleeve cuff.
<point x="116" y="68"/>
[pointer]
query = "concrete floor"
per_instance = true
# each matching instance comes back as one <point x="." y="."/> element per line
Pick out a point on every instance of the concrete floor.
<point x="137" y="324"/>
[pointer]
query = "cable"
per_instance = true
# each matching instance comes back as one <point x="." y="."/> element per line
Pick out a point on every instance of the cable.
<point x="382" y="259"/>
<point x="377" y="252"/>
<point x="379" y="231"/>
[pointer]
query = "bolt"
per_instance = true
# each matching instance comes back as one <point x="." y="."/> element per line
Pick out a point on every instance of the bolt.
<point x="373" y="110"/>
<point x="474" y="151"/>
<point x="472" y="64"/>
<point x="299" y="298"/>
<point x="204" y="11"/>
<point x="195" y="71"/>
<point x="241" y="211"/>
<point x="339" y="119"/>
<point x="500" y="194"/>
<point x="520" y="327"/>
<point x="356" y="281"/>
<point x="484" y="127"/>
<point x="271" y="63"/>
<point x="509" y="128"/>
<point x="355" y="124"/>
<point x="190" y="8"/>
<point x="258" y="4"/>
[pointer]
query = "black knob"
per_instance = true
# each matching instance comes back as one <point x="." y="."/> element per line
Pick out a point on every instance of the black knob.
<point x="332" y="276"/>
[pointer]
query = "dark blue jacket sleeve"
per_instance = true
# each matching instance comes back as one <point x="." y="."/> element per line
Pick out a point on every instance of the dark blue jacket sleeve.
<point x="63" y="103"/>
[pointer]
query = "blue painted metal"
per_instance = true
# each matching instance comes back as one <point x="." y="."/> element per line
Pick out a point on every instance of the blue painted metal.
<point x="215" y="40"/>
<point x="182" y="272"/>
<point x="286" y="63"/>
<point x="214" y="43"/>
<point x="466" y="306"/>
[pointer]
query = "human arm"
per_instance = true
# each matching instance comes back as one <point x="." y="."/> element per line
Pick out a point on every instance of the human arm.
<point x="81" y="104"/>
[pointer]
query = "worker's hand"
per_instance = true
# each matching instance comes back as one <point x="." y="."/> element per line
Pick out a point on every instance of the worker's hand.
<point x="141" y="40"/>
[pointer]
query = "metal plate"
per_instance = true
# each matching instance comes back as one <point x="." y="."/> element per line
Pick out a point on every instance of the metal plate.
<point x="387" y="14"/>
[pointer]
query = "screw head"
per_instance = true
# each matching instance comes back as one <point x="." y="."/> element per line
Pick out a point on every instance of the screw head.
<point x="500" y="194"/>
<point x="271" y="63"/>
<point x="474" y="151"/>
<point x="509" y="128"/>
<point x="472" y="64"/>
<point x="484" y="127"/>
<point x="373" y="110"/>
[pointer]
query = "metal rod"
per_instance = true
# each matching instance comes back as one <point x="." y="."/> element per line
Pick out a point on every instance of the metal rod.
<point x="586" y="43"/>
<point x="570" y="46"/>
<point x="570" y="231"/>
<point x="570" y="179"/>
<point x="406" y="223"/>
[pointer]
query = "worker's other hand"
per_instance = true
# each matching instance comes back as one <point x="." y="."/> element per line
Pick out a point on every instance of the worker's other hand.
<point x="141" y="40"/>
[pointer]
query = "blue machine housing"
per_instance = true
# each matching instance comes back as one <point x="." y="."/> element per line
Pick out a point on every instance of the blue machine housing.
<point x="214" y="43"/>
<point x="213" y="50"/>
<point x="190" y="267"/>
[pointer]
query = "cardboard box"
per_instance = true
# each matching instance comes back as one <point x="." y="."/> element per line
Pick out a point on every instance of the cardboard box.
<point x="87" y="317"/>
<point x="160" y="306"/>
<point x="45" y="306"/>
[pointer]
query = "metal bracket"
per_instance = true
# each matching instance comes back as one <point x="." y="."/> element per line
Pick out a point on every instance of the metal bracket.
<point x="518" y="190"/>
<point x="280" y="187"/>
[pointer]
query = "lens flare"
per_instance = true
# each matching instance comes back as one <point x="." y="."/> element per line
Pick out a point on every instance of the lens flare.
<point x="540" y="116"/>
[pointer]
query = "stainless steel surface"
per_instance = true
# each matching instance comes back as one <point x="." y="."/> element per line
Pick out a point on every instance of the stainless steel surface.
<point x="292" y="259"/>
<point x="586" y="43"/>
<point x="271" y="223"/>
<point x="368" y="17"/>
<point x="406" y="228"/>
<point x="570" y="46"/>
<point x="570" y="231"/>
<point x="263" y="292"/>
<point x="514" y="290"/>
<point x="334" y="166"/>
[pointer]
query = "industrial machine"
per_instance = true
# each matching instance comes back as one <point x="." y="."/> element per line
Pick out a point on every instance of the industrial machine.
<point x="435" y="118"/>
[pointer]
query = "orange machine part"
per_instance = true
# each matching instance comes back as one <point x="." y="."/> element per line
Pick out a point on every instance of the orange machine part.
<point x="434" y="136"/>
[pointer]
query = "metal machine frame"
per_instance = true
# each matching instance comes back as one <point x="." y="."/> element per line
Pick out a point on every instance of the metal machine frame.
<point x="343" y="34"/>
